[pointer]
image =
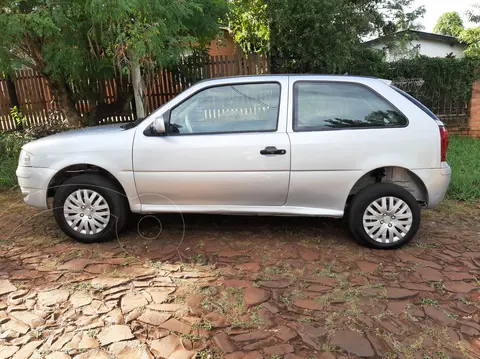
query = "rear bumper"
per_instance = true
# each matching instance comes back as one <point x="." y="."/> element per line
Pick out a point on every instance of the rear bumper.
<point x="33" y="183"/>
<point x="437" y="182"/>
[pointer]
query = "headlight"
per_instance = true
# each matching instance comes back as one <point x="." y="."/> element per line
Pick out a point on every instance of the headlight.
<point x="25" y="159"/>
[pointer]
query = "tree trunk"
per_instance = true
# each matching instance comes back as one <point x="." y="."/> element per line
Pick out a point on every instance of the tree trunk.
<point x="138" y="88"/>
<point x="64" y="101"/>
<point x="12" y="93"/>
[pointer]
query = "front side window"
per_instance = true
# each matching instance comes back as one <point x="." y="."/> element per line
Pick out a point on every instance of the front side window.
<point x="229" y="108"/>
<point x="324" y="106"/>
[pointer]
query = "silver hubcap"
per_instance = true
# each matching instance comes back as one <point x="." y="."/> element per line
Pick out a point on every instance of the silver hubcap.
<point x="86" y="212"/>
<point x="387" y="219"/>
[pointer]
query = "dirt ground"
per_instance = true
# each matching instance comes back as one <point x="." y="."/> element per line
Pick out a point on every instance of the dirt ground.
<point x="238" y="287"/>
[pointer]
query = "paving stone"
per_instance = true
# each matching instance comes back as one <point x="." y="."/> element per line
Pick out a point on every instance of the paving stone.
<point x="309" y="304"/>
<point x="469" y="330"/>
<point x="367" y="267"/>
<point x="166" y="346"/>
<point x="267" y="318"/>
<point x="6" y="287"/>
<point x="234" y="355"/>
<point x="52" y="297"/>
<point x="260" y="344"/>
<point x="459" y="287"/>
<point x="319" y="279"/>
<point x="16" y="326"/>
<point x="174" y="325"/>
<point x="255" y="296"/>
<point x="29" y="318"/>
<point x="399" y="293"/>
<point x="80" y="299"/>
<point x="325" y="355"/>
<point x="57" y="355"/>
<point x="93" y="354"/>
<point x="252" y="355"/>
<point x="275" y="284"/>
<point x="397" y="307"/>
<point x="131" y="301"/>
<point x="105" y="282"/>
<point x="159" y="296"/>
<point x="285" y="333"/>
<point x="60" y="342"/>
<point x="458" y="275"/>
<point x="271" y="308"/>
<point x="115" y="333"/>
<point x="438" y="316"/>
<point x="88" y="342"/>
<point x="129" y="350"/>
<point x="182" y="354"/>
<point x="429" y="274"/>
<point x="166" y="307"/>
<point x="277" y="350"/>
<point x="154" y="317"/>
<point x="27" y="350"/>
<point x="353" y="343"/>
<point x="134" y="314"/>
<point x="249" y="267"/>
<point x="308" y="254"/>
<point x="319" y="288"/>
<point x="251" y="336"/>
<point x="217" y="320"/>
<point x="8" y="351"/>
<point x="311" y="334"/>
<point x="380" y="346"/>
<point x="76" y="264"/>
<point x="237" y="283"/>
<point x="74" y="343"/>
<point x="223" y="342"/>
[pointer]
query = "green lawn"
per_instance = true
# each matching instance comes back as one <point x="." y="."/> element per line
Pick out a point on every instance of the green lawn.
<point x="463" y="156"/>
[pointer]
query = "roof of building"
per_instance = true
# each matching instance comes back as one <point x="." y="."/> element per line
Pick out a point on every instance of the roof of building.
<point x="420" y="35"/>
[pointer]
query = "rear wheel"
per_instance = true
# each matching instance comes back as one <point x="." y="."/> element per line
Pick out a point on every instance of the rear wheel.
<point x="384" y="216"/>
<point x="90" y="208"/>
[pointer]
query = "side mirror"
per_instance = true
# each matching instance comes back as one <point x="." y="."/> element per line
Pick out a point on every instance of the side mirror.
<point x="158" y="126"/>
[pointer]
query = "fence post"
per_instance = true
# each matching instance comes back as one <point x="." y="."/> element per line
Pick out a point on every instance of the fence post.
<point x="474" y="118"/>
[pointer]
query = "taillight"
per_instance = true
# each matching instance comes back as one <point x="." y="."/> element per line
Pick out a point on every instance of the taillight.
<point x="443" y="143"/>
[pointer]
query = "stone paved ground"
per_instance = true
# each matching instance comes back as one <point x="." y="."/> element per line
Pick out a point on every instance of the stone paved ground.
<point x="238" y="287"/>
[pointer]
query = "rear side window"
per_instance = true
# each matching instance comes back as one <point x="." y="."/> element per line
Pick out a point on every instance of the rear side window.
<point x="416" y="103"/>
<point x="321" y="106"/>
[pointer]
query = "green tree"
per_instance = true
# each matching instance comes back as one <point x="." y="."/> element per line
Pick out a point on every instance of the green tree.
<point x="77" y="44"/>
<point x="449" y="24"/>
<point x="248" y="21"/>
<point x="325" y="36"/>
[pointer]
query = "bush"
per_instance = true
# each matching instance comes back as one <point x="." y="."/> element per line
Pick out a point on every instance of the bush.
<point x="11" y="143"/>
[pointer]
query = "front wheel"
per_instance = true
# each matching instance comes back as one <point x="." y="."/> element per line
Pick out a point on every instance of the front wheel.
<point x="384" y="216"/>
<point x="90" y="208"/>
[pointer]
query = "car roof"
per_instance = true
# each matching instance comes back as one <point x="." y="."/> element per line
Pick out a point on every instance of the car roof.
<point x="313" y="76"/>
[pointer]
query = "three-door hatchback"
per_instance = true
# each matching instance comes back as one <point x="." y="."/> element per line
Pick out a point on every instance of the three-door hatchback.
<point x="329" y="146"/>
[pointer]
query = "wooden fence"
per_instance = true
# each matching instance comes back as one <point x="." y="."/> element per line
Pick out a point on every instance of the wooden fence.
<point x="36" y="99"/>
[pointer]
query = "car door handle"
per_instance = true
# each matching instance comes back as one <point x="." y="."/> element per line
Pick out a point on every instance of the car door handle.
<point x="272" y="150"/>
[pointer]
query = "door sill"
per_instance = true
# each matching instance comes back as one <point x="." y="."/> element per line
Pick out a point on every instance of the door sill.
<point x="243" y="210"/>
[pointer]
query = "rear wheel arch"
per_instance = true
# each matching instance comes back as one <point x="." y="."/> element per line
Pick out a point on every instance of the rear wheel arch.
<point x="397" y="175"/>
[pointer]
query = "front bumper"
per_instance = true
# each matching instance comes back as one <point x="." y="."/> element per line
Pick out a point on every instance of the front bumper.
<point x="437" y="182"/>
<point x="33" y="183"/>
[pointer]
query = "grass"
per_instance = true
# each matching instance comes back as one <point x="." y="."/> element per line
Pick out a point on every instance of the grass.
<point x="8" y="166"/>
<point x="464" y="157"/>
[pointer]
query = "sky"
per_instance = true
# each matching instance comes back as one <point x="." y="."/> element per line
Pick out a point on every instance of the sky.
<point x="435" y="8"/>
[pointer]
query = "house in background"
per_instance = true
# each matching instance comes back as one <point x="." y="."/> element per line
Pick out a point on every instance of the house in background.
<point x="411" y="43"/>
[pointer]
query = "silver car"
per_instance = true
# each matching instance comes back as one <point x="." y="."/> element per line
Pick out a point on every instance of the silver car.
<point x="328" y="146"/>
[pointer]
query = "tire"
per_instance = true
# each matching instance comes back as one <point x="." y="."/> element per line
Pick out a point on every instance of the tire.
<point x="110" y="208"/>
<point x="399" y="227"/>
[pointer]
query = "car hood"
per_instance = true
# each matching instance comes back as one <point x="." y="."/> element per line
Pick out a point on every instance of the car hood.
<point x="93" y="138"/>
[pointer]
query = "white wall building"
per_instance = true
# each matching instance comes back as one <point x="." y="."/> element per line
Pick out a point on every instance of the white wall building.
<point x="419" y="43"/>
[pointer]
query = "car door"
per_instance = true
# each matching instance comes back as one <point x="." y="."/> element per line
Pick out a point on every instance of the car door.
<point x="226" y="145"/>
<point x="340" y="128"/>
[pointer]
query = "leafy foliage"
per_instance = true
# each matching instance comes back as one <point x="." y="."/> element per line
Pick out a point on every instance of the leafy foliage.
<point x="449" y="24"/>
<point x="325" y="36"/>
<point x="248" y="21"/>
